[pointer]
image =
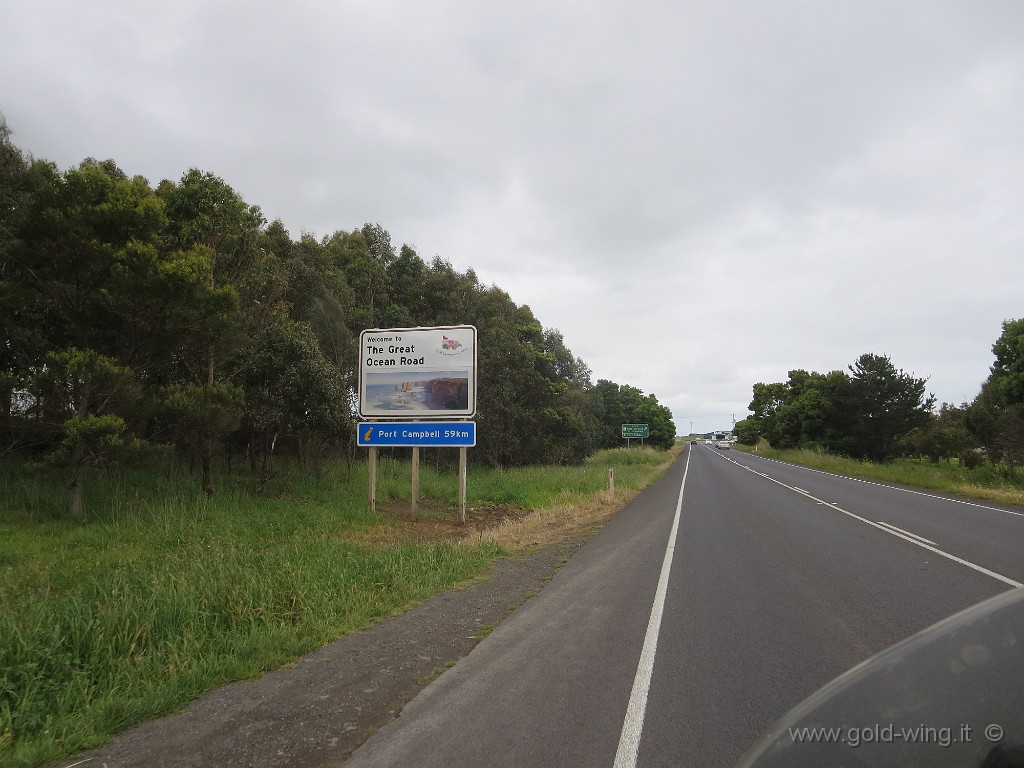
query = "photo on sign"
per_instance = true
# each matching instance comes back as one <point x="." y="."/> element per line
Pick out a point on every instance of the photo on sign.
<point x="419" y="391"/>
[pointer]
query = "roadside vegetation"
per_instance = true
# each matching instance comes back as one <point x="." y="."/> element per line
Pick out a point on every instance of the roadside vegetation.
<point x="141" y="317"/>
<point x="181" y="498"/>
<point x="875" y="421"/>
<point x="159" y="592"/>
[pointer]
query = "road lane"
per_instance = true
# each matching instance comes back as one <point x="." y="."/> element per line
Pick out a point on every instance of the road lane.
<point x="774" y="595"/>
<point x="986" y="533"/>
<point x="549" y="686"/>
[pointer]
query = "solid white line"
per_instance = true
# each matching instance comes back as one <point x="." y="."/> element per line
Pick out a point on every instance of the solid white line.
<point x="633" y="725"/>
<point x="919" y="538"/>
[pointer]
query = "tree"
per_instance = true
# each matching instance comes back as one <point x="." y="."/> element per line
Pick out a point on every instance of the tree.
<point x="659" y="417"/>
<point x="78" y="395"/>
<point x="864" y="415"/>
<point x="623" y="404"/>
<point x="611" y="414"/>
<point x="365" y="257"/>
<point x="996" y="417"/>
<point x="1007" y="372"/>
<point x="205" y="213"/>
<point x="945" y="435"/>
<point x="198" y="416"/>
<point x="886" y="405"/>
<point x="17" y="328"/>
<point x="511" y="391"/>
<point x="72" y="274"/>
<point x="80" y="226"/>
<point x="290" y="389"/>
<point x="765" y="406"/>
<point x="747" y="431"/>
<point x="231" y="331"/>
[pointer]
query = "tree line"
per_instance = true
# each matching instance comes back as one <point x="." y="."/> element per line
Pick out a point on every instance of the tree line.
<point x="877" y="412"/>
<point x="179" y="316"/>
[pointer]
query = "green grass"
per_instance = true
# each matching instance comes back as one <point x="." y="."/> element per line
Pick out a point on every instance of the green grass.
<point x="161" y="594"/>
<point x="540" y="487"/>
<point x="994" y="483"/>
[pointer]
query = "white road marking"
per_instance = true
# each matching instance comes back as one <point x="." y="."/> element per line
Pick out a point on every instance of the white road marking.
<point x="890" y="531"/>
<point x="908" y="533"/>
<point x="633" y="725"/>
<point x="965" y="502"/>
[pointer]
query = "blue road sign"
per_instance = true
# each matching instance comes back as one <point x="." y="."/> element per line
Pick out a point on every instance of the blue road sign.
<point x="423" y="434"/>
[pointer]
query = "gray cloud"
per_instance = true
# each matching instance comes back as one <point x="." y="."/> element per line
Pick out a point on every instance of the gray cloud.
<point x="699" y="195"/>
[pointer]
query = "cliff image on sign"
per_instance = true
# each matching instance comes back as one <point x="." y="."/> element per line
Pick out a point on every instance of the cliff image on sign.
<point x="431" y="391"/>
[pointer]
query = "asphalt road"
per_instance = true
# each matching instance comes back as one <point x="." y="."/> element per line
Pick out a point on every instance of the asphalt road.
<point x="719" y="599"/>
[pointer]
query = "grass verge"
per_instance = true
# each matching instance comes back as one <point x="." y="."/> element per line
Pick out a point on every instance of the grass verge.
<point x="161" y="594"/>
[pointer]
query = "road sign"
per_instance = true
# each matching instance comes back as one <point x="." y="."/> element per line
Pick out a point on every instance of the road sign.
<point x="418" y="372"/>
<point x="630" y="431"/>
<point x="422" y="434"/>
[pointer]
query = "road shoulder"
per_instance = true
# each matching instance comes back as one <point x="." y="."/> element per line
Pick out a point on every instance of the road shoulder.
<point x="319" y="711"/>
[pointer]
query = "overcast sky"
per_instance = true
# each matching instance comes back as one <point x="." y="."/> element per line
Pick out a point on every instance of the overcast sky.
<point x="700" y="195"/>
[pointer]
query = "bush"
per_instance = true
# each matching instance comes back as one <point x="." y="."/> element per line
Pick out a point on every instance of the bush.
<point x="972" y="460"/>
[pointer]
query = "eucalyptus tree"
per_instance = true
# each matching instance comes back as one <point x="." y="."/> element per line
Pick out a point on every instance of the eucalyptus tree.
<point x="312" y="322"/>
<point x="207" y="217"/>
<point x="364" y="256"/>
<point x="18" y="330"/>
<point x="506" y="401"/>
<point x="291" y="390"/>
<point x="74" y="239"/>
<point x="83" y="228"/>
<point x="409" y="306"/>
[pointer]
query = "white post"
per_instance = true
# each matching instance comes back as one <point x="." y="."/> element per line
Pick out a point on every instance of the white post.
<point x="611" y="481"/>
<point x="373" y="479"/>
<point x="415" y="478"/>
<point x="462" y="484"/>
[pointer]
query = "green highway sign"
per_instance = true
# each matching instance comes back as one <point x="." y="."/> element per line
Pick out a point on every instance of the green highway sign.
<point x="630" y="431"/>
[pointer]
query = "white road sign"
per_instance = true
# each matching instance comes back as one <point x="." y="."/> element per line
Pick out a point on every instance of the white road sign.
<point x="409" y="373"/>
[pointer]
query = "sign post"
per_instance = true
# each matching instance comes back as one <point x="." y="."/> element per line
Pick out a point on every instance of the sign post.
<point x="424" y="375"/>
<point x="415" y="479"/>
<point x="373" y="481"/>
<point x="462" y="485"/>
